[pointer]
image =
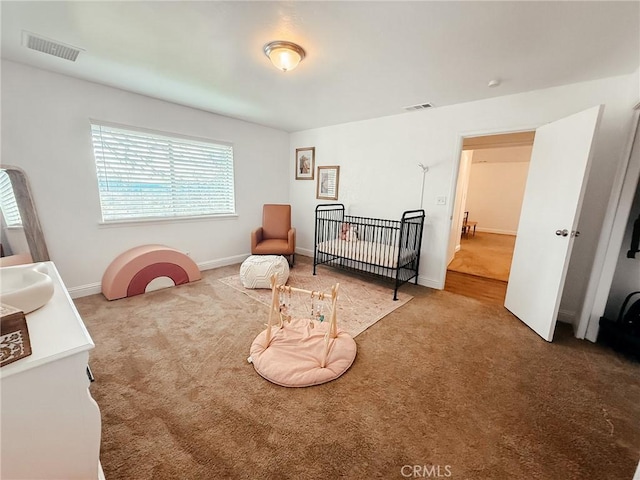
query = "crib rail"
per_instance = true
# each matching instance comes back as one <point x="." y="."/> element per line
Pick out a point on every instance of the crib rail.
<point x="387" y="248"/>
<point x="412" y="224"/>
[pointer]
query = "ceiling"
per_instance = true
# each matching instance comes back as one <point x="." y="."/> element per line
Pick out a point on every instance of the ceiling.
<point x="364" y="59"/>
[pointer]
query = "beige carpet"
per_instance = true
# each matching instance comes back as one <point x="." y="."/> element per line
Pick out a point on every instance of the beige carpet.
<point x="361" y="302"/>
<point x="442" y="380"/>
<point x="485" y="254"/>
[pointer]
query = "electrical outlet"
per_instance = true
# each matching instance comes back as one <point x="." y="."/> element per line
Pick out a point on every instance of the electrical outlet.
<point x="441" y="200"/>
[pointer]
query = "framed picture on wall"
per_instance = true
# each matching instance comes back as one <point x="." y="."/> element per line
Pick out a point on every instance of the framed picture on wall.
<point x="305" y="163"/>
<point x="327" y="183"/>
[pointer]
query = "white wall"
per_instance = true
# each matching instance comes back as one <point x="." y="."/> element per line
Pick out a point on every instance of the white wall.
<point x="45" y="131"/>
<point x="379" y="175"/>
<point x="496" y="189"/>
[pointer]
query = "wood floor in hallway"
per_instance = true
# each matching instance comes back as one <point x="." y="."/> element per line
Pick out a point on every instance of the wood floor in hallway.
<point x="480" y="269"/>
<point x="485" y="289"/>
<point x="485" y="254"/>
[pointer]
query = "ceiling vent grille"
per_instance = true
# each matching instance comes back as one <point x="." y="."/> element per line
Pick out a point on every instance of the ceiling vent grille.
<point x="51" y="47"/>
<point x="420" y="106"/>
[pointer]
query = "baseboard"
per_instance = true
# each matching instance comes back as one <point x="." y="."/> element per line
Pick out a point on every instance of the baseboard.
<point x="305" y="251"/>
<point x="222" y="262"/>
<point x="495" y="230"/>
<point x="93" y="288"/>
<point x="85" y="290"/>
<point x="566" y="316"/>
<point x="457" y="249"/>
<point x="429" y="282"/>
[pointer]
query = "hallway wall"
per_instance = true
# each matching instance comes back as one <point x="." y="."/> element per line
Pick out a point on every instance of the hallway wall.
<point x="496" y="188"/>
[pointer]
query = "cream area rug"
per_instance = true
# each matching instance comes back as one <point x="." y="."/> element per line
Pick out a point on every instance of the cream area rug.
<point x="361" y="301"/>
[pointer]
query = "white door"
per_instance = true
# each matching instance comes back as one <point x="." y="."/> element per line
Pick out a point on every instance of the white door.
<point x="552" y="200"/>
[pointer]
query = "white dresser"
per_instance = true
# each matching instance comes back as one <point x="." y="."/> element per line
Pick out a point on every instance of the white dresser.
<point x="50" y="425"/>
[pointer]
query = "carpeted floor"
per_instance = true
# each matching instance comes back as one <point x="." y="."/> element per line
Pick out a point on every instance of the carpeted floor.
<point x="485" y="254"/>
<point x="443" y="381"/>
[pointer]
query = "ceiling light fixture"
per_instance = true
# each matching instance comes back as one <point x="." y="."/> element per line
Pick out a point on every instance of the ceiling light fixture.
<point x="284" y="55"/>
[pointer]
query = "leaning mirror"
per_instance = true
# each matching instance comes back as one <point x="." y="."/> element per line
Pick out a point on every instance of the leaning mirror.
<point x="21" y="238"/>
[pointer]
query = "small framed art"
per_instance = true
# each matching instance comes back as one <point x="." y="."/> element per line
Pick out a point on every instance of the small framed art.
<point x="305" y="163"/>
<point x="327" y="184"/>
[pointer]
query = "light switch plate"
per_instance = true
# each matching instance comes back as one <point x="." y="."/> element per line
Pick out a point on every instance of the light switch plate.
<point x="441" y="200"/>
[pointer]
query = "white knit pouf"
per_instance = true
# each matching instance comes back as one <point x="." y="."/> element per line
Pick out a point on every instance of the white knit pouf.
<point x="256" y="271"/>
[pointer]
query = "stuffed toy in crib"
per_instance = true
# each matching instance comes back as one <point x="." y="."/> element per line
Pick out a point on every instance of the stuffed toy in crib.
<point x="349" y="233"/>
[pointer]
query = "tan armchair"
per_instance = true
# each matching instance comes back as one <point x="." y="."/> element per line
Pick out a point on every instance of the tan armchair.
<point x="275" y="237"/>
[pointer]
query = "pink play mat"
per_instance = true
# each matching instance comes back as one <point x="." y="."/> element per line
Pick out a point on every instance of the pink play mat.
<point x="301" y="352"/>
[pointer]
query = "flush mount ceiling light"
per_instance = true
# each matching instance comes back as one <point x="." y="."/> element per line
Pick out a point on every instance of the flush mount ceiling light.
<point x="284" y="55"/>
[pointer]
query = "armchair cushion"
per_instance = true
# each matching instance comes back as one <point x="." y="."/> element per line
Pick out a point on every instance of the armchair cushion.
<point x="271" y="246"/>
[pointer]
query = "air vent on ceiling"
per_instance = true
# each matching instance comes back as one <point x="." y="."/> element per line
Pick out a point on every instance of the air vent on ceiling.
<point x="420" y="106"/>
<point x="52" y="47"/>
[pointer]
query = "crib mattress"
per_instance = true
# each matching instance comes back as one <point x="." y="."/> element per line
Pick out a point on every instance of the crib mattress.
<point x="368" y="252"/>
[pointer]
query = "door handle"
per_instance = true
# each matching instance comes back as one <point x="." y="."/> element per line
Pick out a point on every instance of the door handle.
<point x="563" y="233"/>
<point x="575" y="233"/>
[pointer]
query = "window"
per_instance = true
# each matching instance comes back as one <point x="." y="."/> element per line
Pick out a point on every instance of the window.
<point x="144" y="175"/>
<point x="8" y="203"/>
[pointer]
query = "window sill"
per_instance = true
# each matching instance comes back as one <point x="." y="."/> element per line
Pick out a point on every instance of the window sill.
<point x="152" y="221"/>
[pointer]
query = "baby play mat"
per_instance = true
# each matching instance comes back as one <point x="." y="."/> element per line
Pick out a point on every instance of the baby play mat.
<point x="301" y="352"/>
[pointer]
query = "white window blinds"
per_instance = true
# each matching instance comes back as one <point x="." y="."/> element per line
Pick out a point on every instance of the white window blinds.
<point x="144" y="175"/>
<point x="8" y="202"/>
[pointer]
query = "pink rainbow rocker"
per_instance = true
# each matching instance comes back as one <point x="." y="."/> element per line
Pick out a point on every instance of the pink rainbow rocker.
<point x="131" y="272"/>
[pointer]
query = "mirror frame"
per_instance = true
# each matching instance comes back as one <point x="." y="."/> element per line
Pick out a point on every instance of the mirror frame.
<point x="28" y="213"/>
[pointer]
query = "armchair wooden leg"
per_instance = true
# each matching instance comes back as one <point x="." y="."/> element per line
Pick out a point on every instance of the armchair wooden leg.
<point x="292" y="259"/>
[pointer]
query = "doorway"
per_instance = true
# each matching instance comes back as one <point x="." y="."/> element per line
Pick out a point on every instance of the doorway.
<point x="548" y="225"/>
<point x="491" y="182"/>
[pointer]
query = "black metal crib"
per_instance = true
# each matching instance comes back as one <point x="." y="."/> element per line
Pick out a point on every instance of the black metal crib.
<point x="388" y="248"/>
